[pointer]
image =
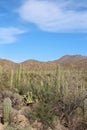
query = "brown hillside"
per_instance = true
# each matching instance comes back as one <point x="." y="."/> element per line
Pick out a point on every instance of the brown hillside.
<point x="67" y="60"/>
<point x="7" y="64"/>
<point x="37" y="65"/>
<point x="70" y="59"/>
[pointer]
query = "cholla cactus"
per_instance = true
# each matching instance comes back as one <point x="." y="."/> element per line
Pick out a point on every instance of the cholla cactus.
<point x="7" y="110"/>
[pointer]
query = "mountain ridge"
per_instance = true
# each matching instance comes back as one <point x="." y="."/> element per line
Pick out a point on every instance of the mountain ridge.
<point x="78" y="60"/>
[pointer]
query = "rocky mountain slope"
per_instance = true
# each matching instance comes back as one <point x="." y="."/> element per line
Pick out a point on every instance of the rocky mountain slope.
<point x="67" y="60"/>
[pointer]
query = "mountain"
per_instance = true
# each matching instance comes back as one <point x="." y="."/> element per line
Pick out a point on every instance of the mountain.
<point x="76" y="61"/>
<point x="7" y="64"/>
<point x="67" y="60"/>
<point x="34" y="64"/>
<point x="70" y="59"/>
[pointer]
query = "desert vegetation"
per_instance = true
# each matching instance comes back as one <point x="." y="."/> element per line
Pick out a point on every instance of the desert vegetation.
<point x="43" y="99"/>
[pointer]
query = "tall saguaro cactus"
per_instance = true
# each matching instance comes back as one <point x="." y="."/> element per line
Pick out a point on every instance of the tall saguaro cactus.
<point x="7" y="110"/>
<point x="1" y="73"/>
<point x="12" y="75"/>
<point x="58" y="78"/>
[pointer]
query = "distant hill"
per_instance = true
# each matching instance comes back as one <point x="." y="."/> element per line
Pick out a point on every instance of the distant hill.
<point x="70" y="59"/>
<point x="67" y="60"/>
<point x="7" y="64"/>
<point x="34" y="64"/>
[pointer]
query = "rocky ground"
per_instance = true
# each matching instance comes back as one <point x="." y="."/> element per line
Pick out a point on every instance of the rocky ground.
<point x="22" y="121"/>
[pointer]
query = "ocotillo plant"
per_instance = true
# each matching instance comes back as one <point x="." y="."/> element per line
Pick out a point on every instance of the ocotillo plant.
<point x="7" y="110"/>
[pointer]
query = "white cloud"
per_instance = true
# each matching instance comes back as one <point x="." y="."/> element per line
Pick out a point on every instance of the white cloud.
<point x="8" y="35"/>
<point x="55" y="16"/>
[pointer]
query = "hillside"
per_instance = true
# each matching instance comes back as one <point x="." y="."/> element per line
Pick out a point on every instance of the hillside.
<point x="67" y="60"/>
<point x="34" y="64"/>
<point x="7" y="64"/>
<point x="70" y="59"/>
<point x="76" y="61"/>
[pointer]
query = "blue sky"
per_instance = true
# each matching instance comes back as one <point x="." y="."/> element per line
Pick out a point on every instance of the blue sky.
<point x="42" y="29"/>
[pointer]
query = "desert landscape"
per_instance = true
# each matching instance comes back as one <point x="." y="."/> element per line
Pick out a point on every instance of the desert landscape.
<point x="43" y="64"/>
<point x="38" y="95"/>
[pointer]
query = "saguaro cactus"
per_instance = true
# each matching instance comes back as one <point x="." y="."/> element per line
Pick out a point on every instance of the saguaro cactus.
<point x="7" y="110"/>
<point x="58" y="78"/>
<point x="12" y="75"/>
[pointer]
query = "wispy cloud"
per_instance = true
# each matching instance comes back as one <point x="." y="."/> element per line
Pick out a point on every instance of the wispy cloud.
<point x="55" y="16"/>
<point x="8" y="35"/>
